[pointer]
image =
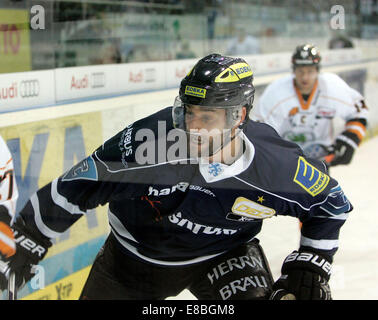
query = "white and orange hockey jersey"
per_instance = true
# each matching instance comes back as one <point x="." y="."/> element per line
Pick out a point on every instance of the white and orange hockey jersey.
<point x="311" y="122"/>
<point x="8" y="188"/>
<point x="8" y="198"/>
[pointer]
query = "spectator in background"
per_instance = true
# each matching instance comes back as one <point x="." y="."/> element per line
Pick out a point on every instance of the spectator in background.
<point x="109" y="53"/>
<point x="185" y="52"/>
<point x="339" y="41"/>
<point x="243" y="44"/>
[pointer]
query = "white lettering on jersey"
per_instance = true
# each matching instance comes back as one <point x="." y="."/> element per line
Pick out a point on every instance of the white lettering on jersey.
<point x="182" y="186"/>
<point x="197" y="228"/>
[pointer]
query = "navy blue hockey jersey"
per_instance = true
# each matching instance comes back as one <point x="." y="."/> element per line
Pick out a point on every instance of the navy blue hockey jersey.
<point x="168" y="209"/>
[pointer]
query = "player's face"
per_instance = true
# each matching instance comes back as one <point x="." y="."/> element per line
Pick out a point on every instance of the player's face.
<point x="305" y="78"/>
<point x="206" y="126"/>
<point x="197" y="118"/>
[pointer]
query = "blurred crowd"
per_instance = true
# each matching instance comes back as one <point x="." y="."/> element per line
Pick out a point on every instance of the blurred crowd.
<point x="97" y="32"/>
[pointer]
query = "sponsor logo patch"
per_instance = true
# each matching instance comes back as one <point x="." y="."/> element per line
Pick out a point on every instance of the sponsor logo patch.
<point x="196" y="92"/>
<point x="250" y="209"/>
<point x="309" y="178"/>
<point x="324" y="112"/>
<point x="234" y="73"/>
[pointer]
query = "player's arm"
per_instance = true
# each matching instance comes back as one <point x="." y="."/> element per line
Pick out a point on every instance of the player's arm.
<point x="92" y="182"/>
<point x="56" y="207"/>
<point x="306" y="271"/>
<point x="355" y="116"/>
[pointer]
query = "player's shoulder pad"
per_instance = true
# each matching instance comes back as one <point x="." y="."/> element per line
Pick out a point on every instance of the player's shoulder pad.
<point x="274" y="155"/>
<point x="119" y="152"/>
<point x="333" y="82"/>
<point x="330" y="76"/>
<point x="281" y="85"/>
<point x="336" y="87"/>
<point x="276" y="91"/>
<point x="283" y="168"/>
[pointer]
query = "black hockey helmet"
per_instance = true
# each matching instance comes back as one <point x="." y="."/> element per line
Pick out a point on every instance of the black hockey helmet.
<point x="217" y="81"/>
<point x="306" y="55"/>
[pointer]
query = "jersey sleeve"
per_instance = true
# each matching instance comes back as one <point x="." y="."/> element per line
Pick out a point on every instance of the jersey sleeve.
<point x="105" y="175"/>
<point x="8" y="187"/>
<point x="321" y="228"/>
<point x="92" y="182"/>
<point x="353" y="105"/>
<point x="350" y="106"/>
<point x="356" y="119"/>
<point x="322" y="208"/>
<point x="55" y="207"/>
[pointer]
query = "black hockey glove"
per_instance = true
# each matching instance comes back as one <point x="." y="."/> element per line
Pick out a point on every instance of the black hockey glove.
<point x="31" y="248"/>
<point x="344" y="147"/>
<point x="304" y="275"/>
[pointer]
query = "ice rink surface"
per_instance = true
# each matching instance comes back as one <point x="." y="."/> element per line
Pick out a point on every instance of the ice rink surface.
<point x="355" y="269"/>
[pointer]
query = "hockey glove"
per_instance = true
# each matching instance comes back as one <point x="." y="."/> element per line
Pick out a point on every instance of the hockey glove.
<point x="31" y="247"/>
<point x="304" y="275"/>
<point x="348" y="141"/>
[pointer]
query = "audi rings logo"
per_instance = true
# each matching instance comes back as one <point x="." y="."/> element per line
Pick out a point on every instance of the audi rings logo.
<point x="29" y="88"/>
<point x="98" y="80"/>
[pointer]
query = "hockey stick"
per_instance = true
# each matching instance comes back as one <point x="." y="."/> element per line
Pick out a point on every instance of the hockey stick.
<point x="12" y="290"/>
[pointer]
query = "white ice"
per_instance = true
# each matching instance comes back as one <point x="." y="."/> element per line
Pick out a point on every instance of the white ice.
<point x="355" y="270"/>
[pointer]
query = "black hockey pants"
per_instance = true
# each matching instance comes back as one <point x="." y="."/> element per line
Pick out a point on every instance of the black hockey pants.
<point x="241" y="274"/>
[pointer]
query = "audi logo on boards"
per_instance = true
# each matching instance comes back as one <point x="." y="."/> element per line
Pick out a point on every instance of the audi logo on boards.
<point x="150" y="75"/>
<point x="98" y="79"/>
<point x="29" y="88"/>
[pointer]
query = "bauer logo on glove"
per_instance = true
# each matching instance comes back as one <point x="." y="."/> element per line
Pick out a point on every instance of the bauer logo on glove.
<point x="312" y="258"/>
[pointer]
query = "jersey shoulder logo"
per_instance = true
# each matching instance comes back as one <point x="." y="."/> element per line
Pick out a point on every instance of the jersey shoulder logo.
<point x="310" y="178"/>
<point x="84" y="170"/>
<point x="250" y="209"/>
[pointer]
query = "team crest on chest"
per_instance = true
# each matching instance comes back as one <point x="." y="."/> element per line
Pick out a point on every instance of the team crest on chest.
<point x="215" y="169"/>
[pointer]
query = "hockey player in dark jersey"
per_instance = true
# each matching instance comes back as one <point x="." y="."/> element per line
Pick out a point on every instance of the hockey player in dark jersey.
<point x="187" y="190"/>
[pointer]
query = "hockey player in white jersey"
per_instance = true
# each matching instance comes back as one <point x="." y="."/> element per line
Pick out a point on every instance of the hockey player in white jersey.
<point x="181" y="222"/>
<point x="302" y="106"/>
<point x="8" y="198"/>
